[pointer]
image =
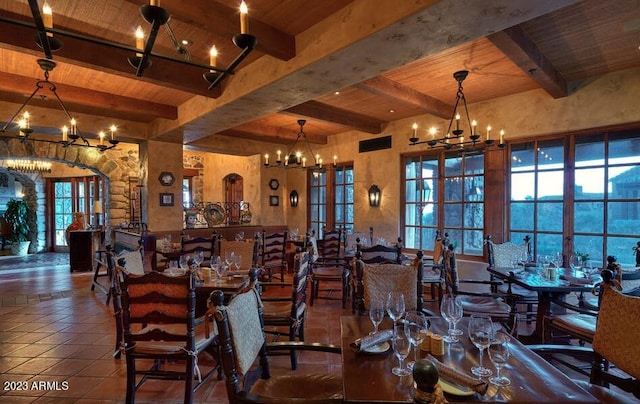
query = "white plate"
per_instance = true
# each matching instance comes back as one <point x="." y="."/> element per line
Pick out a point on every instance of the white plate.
<point x="377" y="349"/>
<point x="454" y="389"/>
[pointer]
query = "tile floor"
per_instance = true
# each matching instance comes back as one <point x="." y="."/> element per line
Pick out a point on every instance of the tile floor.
<point x="57" y="339"/>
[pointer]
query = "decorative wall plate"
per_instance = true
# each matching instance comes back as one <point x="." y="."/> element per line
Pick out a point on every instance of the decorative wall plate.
<point x="214" y="214"/>
<point x="166" y="178"/>
<point x="274" y="184"/>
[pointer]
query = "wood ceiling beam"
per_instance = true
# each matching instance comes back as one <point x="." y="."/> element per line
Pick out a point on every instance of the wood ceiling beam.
<point x="385" y="87"/>
<point x="518" y="47"/>
<point x="328" y="113"/>
<point x="271" y="134"/>
<point x="218" y="19"/>
<point x="84" y="100"/>
<point x="102" y="56"/>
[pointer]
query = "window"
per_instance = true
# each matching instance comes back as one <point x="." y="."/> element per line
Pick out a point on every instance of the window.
<point x="444" y="192"/>
<point x="596" y="211"/>
<point x="331" y="199"/>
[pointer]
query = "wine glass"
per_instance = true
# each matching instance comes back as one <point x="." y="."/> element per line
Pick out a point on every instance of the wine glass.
<point x="237" y="261"/>
<point x="198" y="257"/>
<point x="376" y="314"/>
<point x="216" y="266"/>
<point x="228" y="257"/>
<point x="395" y="305"/>
<point x="401" y="347"/>
<point x="499" y="355"/>
<point x="480" y="332"/>
<point x="416" y="323"/>
<point x="451" y="311"/>
<point x="184" y="263"/>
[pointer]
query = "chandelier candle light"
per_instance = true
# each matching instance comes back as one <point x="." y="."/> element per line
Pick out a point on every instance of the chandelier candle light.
<point x="295" y="158"/>
<point x="29" y="165"/>
<point x="456" y="136"/>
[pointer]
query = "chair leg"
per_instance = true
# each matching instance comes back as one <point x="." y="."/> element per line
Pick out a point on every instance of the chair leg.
<point x="188" y="380"/>
<point x="131" y="380"/>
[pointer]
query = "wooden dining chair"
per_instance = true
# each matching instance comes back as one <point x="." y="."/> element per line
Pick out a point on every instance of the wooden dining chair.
<point x="272" y="255"/>
<point x="381" y="254"/>
<point x="329" y="268"/>
<point x="289" y="312"/>
<point x="614" y="355"/>
<point x="159" y="327"/>
<point x="205" y="244"/>
<point x="246" y="249"/>
<point x="244" y="349"/>
<point x="495" y="304"/>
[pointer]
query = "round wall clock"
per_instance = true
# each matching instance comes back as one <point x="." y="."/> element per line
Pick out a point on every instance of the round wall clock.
<point x="166" y="178"/>
<point x="274" y="184"/>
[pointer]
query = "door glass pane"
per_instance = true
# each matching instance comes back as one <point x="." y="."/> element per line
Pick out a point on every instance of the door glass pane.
<point x="619" y="247"/>
<point x="452" y="215"/>
<point x="522" y="216"/>
<point x="622" y="217"/>
<point x="591" y="245"/>
<point x="551" y="185"/>
<point x="623" y="182"/>
<point x="474" y="215"/>
<point x="550" y="217"/>
<point x="522" y="186"/>
<point x="548" y="244"/>
<point x="453" y="189"/>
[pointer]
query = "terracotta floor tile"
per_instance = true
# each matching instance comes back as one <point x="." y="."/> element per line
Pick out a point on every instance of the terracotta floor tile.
<point x="67" y="367"/>
<point x="34" y="366"/>
<point x="30" y="350"/>
<point x="7" y="363"/>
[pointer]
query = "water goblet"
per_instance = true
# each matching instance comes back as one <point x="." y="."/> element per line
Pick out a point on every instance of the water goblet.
<point x="480" y="333"/>
<point x="401" y="348"/>
<point x="395" y="305"/>
<point x="499" y="355"/>
<point x="198" y="257"/>
<point x="216" y="265"/>
<point x="184" y="263"/>
<point x="416" y="323"/>
<point x="451" y="311"/>
<point x="237" y="261"/>
<point x="228" y="257"/>
<point x="376" y="314"/>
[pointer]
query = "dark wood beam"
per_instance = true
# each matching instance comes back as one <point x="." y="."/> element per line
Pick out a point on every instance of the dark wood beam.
<point x="223" y="21"/>
<point x="518" y="47"/>
<point x="13" y="88"/>
<point x="385" y="87"/>
<point x="113" y="59"/>
<point x="325" y="112"/>
<point x="271" y="134"/>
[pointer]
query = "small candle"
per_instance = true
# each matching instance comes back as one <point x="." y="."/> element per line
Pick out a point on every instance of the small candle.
<point x="113" y="132"/>
<point x="213" y="55"/>
<point x="266" y="159"/>
<point x="298" y="157"/>
<point x="279" y="154"/>
<point x="139" y="40"/>
<point x="304" y="162"/>
<point x="457" y="121"/>
<point x="101" y="136"/>
<point x="47" y="17"/>
<point x="432" y="132"/>
<point x="335" y="160"/>
<point x="473" y="127"/>
<point x="65" y="133"/>
<point x="286" y="160"/>
<point x="244" y="18"/>
<point x="415" y="129"/>
<point x="318" y="161"/>
<point x="461" y="140"/>
<point x="488" y="132"/>
<point x="154" y="3"/>
<point x="25" y="117"/>
<point x="73" y="126"/>
<point x="501" y="136"/>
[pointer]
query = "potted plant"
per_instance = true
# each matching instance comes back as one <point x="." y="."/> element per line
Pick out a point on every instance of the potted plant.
<point x="16" y="217"/>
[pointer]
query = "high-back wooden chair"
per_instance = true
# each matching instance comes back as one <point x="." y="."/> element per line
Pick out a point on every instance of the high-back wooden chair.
<point x="245" y="248"/>
<point x="272" y="255"/>
<point x="330" y="269"/>
<point x="205" y="244"/>
<point x="381" y="254"/>
<point x="289" y="312"/>
<point x="159" y="325"/>
<point x="243" y="347"/>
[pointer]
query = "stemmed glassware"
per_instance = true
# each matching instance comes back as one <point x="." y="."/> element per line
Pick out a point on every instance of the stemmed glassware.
<point x="395" y="306"/>
<point x="451" y="311"/>
<point x="401" y="347"/>
<point x="198" y="257"/>
<point x="376" y="314"/>
<point x="184" y="263"/>
<point x="216" y="266"/>
<point x="499" y="355"/>
<point x="480" y="333"/>
<point x="228" y="258"/>
<point x="416" y="322"/>
<point x="237" y="261"/>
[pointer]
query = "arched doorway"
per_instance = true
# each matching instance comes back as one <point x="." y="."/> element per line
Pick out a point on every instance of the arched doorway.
<point x="233" y="196"/>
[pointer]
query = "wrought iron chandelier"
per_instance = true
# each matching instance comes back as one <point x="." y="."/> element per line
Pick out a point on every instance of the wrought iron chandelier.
<point x="455" y="139"/>
<point x="296" y="155"/>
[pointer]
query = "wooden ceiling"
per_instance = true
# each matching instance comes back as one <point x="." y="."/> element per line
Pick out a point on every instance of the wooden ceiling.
<point x="388" y="60"/>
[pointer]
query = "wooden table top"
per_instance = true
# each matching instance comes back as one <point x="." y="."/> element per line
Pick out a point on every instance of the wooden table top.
<point x="368" y="377"/>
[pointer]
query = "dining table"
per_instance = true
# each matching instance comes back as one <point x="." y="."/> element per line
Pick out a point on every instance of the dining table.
<point x="230" y="284"/>
<point x="549" y="289"/>
<point x="367" y="377"/>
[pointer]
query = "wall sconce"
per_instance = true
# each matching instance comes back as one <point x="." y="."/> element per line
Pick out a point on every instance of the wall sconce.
<point x="374" y="196"/>
<point x="293" y="198"/>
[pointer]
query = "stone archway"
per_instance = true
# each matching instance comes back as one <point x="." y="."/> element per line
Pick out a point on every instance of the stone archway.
<point x="115" y="166"/>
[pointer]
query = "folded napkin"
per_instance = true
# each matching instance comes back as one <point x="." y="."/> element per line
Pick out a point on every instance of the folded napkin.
<point x="576" y="281"/>
<point x="459" y="378"/>
<point x="371" y="340"/>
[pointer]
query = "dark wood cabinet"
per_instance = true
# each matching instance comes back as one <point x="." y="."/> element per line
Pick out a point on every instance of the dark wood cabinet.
<point x="83" y="245"/>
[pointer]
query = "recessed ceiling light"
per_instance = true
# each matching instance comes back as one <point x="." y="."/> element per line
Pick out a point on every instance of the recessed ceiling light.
<point x="336" y="93"/>
<point x="392" y="110"/>
<point x="186" y="42"/>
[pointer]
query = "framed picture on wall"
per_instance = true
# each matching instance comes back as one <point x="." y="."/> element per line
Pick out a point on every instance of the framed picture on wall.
<point x="274" y="200"/>
<point x="166" y="199"/>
